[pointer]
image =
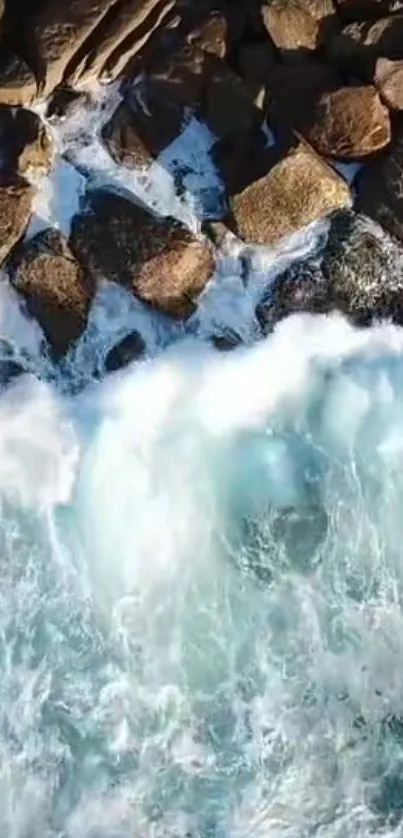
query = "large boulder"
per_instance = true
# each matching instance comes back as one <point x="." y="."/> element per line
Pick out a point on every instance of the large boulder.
<point x="24" y="139"/>
<point x="359" y="273"/>
<point x="294" y="89"/>
<point x="131" y="348"/>
<point x="18" y="85"/>
<point x="16" y="207"/>
<point x="359" y="45"/>
<point x="389" y="82"/>
<point x="139" y="129"/>
<point x="300" y="26"/>
<point x="53" y="285"/>
<point x="156" y="258"/>
<point x="349" y="123"/>
<point x="298" y="190"/>
<point x="256" y="61"/>
<point x="380" y="188"/>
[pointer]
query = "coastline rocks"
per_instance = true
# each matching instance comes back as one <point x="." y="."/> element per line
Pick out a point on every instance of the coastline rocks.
<point x="52" y="282"/>
<point x="380" y="188"/>
<point x="298" y="190"/>
<point x="18" y="85"/>
<point x="211" y="35"/>
<point x="300" y="26"/>
<point x="135" y="135"/>
<point x="359" y="45"/>
<point x="389" y="82"/>
<point x="158" y="259"/>
<point x="25" y="142"/>
<point x="351" y="10"/>
<point x="359" y="273"/>
<point x="16" y="203"/>
<point x="256" y="60"/>
<point x="294" y="89"/>
<point x="349" y="123"/>
<point x="130" y="348"/>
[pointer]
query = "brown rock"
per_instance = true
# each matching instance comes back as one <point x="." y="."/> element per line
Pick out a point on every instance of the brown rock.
<point x="255" y="60"/>
<point x="211" y="35"/>
<point x="119" y="37"/>
<point x="242" y="158"/>
<point x="24" y="139"/>
<point x="17" y="83"/>
<point x="298" y="190"/>
<point x="228" y="104"/>
<point x="15" y="202"/>
<point x="380" y="188"/>
<point x="130" y="349"/>
<point x="180" y="75"/>
<point x="157" y="258"/>
<point x="389" y="81"/>
<point x="359" y="45"/>
<point x="60" y="30"/>
<point x="299" y="26"/>
<point x="45" y="272"/>
<point x="294" y="89"/>
<point x="64" y="102"/>
<point x="121" y="138"/>
<point x="350" y="123"/>
<point x="134" y="135"/>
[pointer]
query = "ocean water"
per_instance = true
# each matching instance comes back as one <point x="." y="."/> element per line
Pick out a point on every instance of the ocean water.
<point x="201" y="568"/>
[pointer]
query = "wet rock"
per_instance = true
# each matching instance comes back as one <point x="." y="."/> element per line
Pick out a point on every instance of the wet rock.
<point x="9" y="370"/>
<point x="389" y="82"/>
<point x="52" y="282"/>
<point x="119" y="37"/>
<point x="25" y="141"/>
<point x="179" y="75"/>
<point x="64" y="102"/>
<point x="157" y="258"/>
<point x="299" y="27"/>
<point x="360" y="273"/>
<point x="349" y="123"/>
<point x="294" y="89"/>
<point x="380" y="188"/>
<point x="296" y="191"/>
<point x="135" y="135"/>
<point x="359" y="45"/>
<point x="256" y="60"/>
<point x="18" y="85"/>
<point x="211" y="35"/>
<point x="16" y="203"/>
<point x="131" y="348"/>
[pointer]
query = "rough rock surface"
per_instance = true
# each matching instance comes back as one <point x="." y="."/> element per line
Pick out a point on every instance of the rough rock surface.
<point x="350" y="123"/>
<point x="134" y="135"/>
<point x="389" y="81"/>
<point x="380" y="188"/>
<point x="24" y="140"/>
<point x="52" y="282"/>
<point x="359" y="45"/>
<point x="130" y="348"/>
<point x="298" y="190"/>
<point x="15" y="201"/>
<point x="18" y="85"/>
<point x="360" y="273"/>
<point x="298" y="26"/>
<point x="64" y="102"/>
<point x="211" y="35"/>
<point x="157" y="258"/>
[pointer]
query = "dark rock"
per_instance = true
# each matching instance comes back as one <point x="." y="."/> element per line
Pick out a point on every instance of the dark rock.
<point x="359" y="45"/>
<point x="226" y="341"/>
<point x="25" y="142"/>
<point x="360" y="273"/>
<point x="135" y="135"/>
<point x="64" y="102"/>
<point x="389" y="82"/>
<point x="211" y="35"/>
<point x="380" y="188"/>
<point x="255" y="61"/>
<point x="157" y="258"/>
<point x="356" y="10"/>
<point x="131" y="348"/>
<point x="349" y="123"/>
<point x="18" y="85"/>
<point x="242" y="158"/>
<point x="296" y="191"/>
<point x="9" y="370"/>
<point x="16" y="204"/>
<point x="52" y="282"/>
<point x="301" y="26"/>
<point x="294" y="89"/>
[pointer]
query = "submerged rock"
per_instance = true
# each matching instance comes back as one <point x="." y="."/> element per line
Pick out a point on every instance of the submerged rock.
<point x="53" y="285"/>
<point x="131" y="348"/>
<point x="159" y="259"/>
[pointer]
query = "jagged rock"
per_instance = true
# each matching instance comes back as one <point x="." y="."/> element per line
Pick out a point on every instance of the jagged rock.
<point x="227" y="341"/>
<point x="24" y="139"/>
<point x="157" y="258"/>
<point x="135" y="135"/>
<point x="300" y="26"/>
<point x="360" y="273"/>
<point x="18" y="85"/>
<point x="294" y="89"/>
<point x="255" y="60"/>
<point x="359" y="45"/>
<point x="179" y="75"/>
<point x="131" y="348"/>
<point x="119" y="37"/>
<point x="53" y="284"/>
<point x="211" y="35"/>
<point x="349" y="123"/>
<point x="64" y="102"/>
<point x="298" y="190"/>
<point x="380" y="188"/>
<point x="16" y="204"/>
<point x="120" y="136"/>
<point x="389" y="81"/>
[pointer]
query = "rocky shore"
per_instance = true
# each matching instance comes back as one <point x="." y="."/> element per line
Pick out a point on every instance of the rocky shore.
<point x="289" y="91"/>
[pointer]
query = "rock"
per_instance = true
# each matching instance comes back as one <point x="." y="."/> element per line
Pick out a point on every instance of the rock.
<point x="52" y="282"/>
<point x="64" y="102"/>
<point x="227" y="341"/>
<point x="9" y="370"/>
<point x="135" y="135"/>
<point x="60" y="30"/>
<point x="16" y="203"/>
<point x="256" y="60"/>
<point x="389" y="81"/>
<point x="355" y="10"/>
<point x="131" y="348"/>
<point x="24" y="139"/>
<point x="211" y="35"/>
<point x="360" y="274"/>
<point x="18" y="85"/>
<point x="179" y="75"/>
<point x="300" y="26"/>
<point x="359" y="45"/>
<point x="380" y="188"/>
<point x="157" y="258"/>
<point x="242" y="158"/>
<point x="298" y="190"/>
<point x="120" y="136"/>
<point x="349" y="123"/>
<point x="294" y="89"/>
<point x="119" y="37"/>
